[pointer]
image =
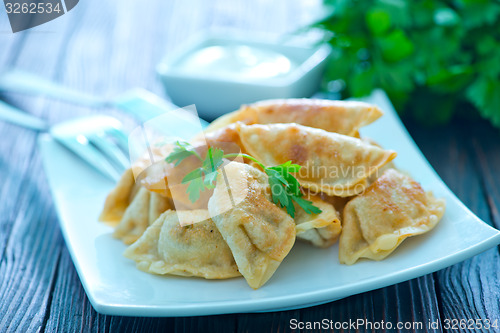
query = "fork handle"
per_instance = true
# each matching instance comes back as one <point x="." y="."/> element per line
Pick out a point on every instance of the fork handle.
<point x="26" y="83"/>
<point x="15" y="116"/>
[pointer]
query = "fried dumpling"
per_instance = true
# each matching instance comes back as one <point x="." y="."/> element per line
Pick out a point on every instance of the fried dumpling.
<point x="193" y="250"/>
<point x="321" y="230"/>
<point x="390" y="210"/>
<point x="131" y="208"/>
<point x="331" y="163"/>
<point x="218" y="134"/>
<point x="144" y="209"/>
<point x="154" y="154"/>
<point x="380" y="171"/>
<point x="259" y="233"/>
<point x="344" y="117"/>
<point x="338" y="203"/>
<point x="166" y="178"/>
<point x="127" y="188"/>
<point x="119" y="199"/>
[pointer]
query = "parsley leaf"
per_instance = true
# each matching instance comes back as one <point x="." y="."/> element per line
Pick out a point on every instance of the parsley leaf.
<point x="211" y="163"/>
<point x="285" y="170"/>
<point x="196" y="173"/>
<point x="181" y="152"/>
<point x="213" y="160"/>
<point x="209" y="180"/>
<point x="201" y="178"/>
<point x="195" y="188"/>
<point x="285" y="188"/>
<point x="195" y="181"/>
<point x="278" y="188"/>
<point x="306" y="205"/>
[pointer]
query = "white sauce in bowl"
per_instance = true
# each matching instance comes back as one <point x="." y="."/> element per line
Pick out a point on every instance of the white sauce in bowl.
<point x="241" y="61"/>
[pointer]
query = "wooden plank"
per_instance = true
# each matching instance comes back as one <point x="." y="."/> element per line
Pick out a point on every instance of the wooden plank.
<point x="485" y="148"/>
<point x="70" y="310"/>
<point x="267" y="322"/>
<point x="30" y="241"/>
<point x="11" y="43"/>
<point x="471" y="289"/>
<point x="131" y="324"/>
<point x="30" y="259"/>
<point x="409" y="303"/>
<point x="17" y="156"/>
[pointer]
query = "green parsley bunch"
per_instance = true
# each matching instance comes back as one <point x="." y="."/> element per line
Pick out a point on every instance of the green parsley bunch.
<point x="432" y="57"/>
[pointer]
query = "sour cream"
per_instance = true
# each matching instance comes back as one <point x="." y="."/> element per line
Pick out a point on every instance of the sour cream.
<point x="236" y="62"/>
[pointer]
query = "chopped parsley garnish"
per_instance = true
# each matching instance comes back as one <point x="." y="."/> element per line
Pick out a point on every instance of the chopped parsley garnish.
<point x="285" y="188"/>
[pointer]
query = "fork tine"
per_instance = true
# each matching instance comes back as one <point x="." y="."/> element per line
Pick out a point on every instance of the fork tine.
<point x="80" y="146"/>
<point x="110" y="150"/>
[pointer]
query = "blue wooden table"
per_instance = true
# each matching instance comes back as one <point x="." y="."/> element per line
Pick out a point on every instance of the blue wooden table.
<point x="106" y="47"/>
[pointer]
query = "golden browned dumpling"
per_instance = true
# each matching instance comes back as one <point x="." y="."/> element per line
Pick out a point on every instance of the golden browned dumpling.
<point x="131" y="208"/>
<point x="193" y="250"/>
<point x="344" y="117"/>
<point x="165" y="179"/>
<point x="144" y="209"/>
<point x="338" y="203"/>
<point x="380" y="171"/>
<point x="321" y="230"/>
<point x="217" y="135"/>
<point x="390" y="210"/>
<point x="154" y="154"/>
<point x="331" y="163"/>
<point x="119" y="199"/>
<point x="259" y="233"/>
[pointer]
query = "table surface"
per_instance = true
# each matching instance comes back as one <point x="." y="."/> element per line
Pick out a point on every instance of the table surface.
<point x="106" y="47"/>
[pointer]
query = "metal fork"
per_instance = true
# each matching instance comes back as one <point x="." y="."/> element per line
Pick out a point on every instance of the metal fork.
<point x="142" y="104"/>
<point x="98" y="140"/>
<point x="92" y="134"/>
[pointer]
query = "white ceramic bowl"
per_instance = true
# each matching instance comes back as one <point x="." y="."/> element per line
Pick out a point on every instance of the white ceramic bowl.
<point x="214" y="96"/>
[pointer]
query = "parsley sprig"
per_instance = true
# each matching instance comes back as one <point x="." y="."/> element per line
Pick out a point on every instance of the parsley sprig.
<point x="435" y="59"/>
<point x="285" y="188"/>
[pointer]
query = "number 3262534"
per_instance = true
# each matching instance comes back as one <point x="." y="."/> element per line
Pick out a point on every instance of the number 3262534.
<point x="32" y="8"/>
<point x="455" y="324"/>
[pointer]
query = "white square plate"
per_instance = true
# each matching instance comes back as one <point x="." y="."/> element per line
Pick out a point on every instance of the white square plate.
<point x="114" y="286"/>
